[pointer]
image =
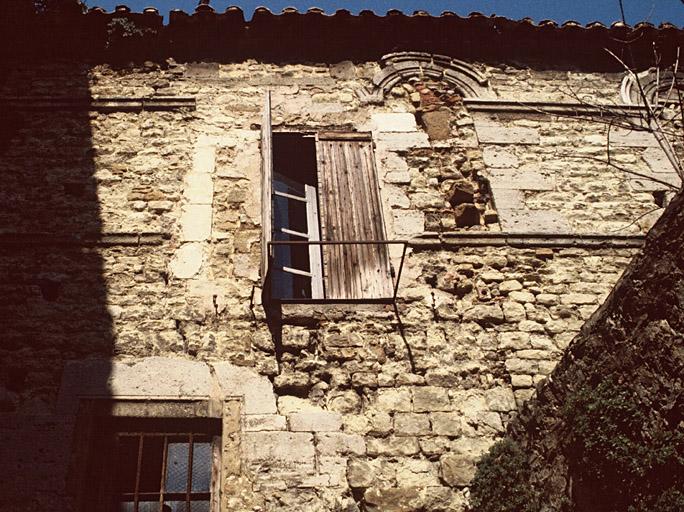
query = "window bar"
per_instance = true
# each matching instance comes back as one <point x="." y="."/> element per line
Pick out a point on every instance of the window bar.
<point x="138" y="469"/>
<point x="296" y="271"/>
<point x="114" y="487"/>
<point x="189" y="488"/>
<point x="215" y="486"/>
<point x="162" y="484"/>
<point x="290" y="196"/>
<point x="295" y="233"/>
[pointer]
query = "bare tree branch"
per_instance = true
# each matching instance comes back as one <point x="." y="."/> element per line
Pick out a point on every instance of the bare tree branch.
<point x="635" y="220"/>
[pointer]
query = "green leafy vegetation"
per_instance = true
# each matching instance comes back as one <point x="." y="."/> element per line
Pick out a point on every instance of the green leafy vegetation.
<point x="622" y="457"/>
<point x="502" y="481"/>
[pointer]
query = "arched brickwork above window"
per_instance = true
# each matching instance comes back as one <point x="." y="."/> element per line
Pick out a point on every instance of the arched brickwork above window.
<point x="658" y="86"/>
<point x="400" y="67"/>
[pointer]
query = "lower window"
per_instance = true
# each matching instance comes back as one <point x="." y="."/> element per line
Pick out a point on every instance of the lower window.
<point x="155" y="465"/>
<point x="163" y="472"/>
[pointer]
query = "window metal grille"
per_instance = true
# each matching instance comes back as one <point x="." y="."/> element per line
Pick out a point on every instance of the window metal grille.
<point x="163" y="472"/>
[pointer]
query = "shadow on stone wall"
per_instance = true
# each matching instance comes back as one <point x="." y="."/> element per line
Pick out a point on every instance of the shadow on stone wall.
<point x="53" y="298"/>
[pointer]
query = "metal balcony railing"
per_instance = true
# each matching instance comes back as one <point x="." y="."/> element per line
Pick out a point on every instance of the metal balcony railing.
<point x="351" y="271"/>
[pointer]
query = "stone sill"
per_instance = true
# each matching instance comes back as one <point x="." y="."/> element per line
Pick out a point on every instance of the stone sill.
<point x="545" y="107"/>
<point x="88" y="239"/>
<point x="118" y="104"/>
<point x="447" y="240"/>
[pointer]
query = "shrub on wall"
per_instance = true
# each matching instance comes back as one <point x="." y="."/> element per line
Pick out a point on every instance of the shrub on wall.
<point x="502" y="481"/>
<point x="621" y="457"/>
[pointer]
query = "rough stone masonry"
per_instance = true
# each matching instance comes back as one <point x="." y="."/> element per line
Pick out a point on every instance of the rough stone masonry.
<point x="131" y="260"/>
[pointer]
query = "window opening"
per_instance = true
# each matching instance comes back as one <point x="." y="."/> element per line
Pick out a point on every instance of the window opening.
<point x="297" y="269"/>
<point x="163" y="472"/>
<point x="155" y="465"/>
<point x="323" y="237"/>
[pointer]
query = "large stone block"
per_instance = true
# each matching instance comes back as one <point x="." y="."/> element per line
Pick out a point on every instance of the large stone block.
<point x="204" y="160"/>
<point x="198" y="188"/>
<point x="457" y="469"/>
<point x="402" y="141"/>
<point x="430" y="398"/>
<point x="500" y="134"/>
<point x="261" y="422"/>
<point x="187" y="261"/>
<point x="656" y="181"/>
<point x="506" y="198"/>
<point x="519" y="179"/>
<point x="498" y="157"/>
<point x="315" y="421"/>
<point x="360" y="474"/>
<point x="394" y="122"/>
<point x="657" y="160"/>
<point x="500" y="399"/>
<point x="394" y="499"/>
<point x="393" y="446"/>
<point x="408" y="223"/>
<point x="279" y="447"/>
<point x="393" y="400"/>
<point x="339" y="443"/>
<point x="256" y="389"/>
<point x="195" y="222"/>
<point x="534" y="221"/>
<point x="446" y="423"/>
<point x="632" y="138"/>
<point x="409" y="424"/>
<point x="437" y="124"/>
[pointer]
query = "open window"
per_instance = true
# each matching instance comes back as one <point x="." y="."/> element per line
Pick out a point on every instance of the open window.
<point x="323" y="232"/>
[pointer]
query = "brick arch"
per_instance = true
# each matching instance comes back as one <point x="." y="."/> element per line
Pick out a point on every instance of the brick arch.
<point x="400" y="67"/>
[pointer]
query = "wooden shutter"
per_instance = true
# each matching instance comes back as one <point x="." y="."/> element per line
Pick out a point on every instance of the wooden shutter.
<point x="351" y="211"/>
<point x="266" y="185"/>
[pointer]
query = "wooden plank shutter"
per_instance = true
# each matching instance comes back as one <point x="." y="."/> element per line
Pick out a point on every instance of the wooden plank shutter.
<point x="351" y="211"/>
<point x="266" y="185"/>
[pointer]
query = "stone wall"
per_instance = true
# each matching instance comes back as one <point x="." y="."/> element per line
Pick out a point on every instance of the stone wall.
<point x="623" y="370"/>
<point x="341" y="407"/>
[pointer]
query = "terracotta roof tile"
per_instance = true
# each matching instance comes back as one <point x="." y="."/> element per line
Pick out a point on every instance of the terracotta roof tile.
<point x="315" y="34"/>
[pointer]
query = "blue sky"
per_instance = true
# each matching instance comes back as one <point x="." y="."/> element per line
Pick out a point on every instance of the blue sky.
<point x="584" y="11"/>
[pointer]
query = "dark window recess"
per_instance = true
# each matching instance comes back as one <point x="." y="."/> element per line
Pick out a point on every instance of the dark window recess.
<point x="296" y="272"/>
<point x="660" y="198"/>
<point x="153" y="465"/>
<point x="158" y="470"/>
